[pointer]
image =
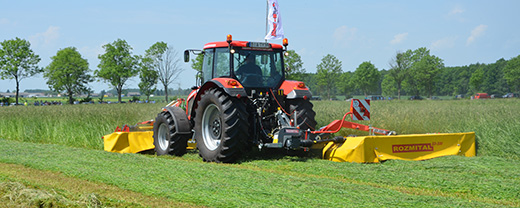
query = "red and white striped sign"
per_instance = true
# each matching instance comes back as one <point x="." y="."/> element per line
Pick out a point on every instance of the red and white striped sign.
<point x="360" y="109"/>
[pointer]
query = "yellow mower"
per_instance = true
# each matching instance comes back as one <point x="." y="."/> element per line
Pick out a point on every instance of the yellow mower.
<point x="243" y="101"/>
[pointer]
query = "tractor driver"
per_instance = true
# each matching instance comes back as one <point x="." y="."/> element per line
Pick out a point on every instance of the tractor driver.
<point x="249" y="73"/>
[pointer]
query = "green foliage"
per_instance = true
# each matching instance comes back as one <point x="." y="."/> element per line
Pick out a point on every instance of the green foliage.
<point x="512" y="73"/>
<point x="388" y="86"/>
<point x="18" y="61"/>
<point x="6" y="100"/>
<point x="85" y="100"/>
<point x="294" y="66"/>
<point x="367" y="77"/>
<point x="423" y="72"/>
<point x="117" y="64"/>
<point x="68" y="72"/>
<point x="328" y="74"/>
<point x="400" y="66"/>
<point x="476" y="79"/>
<point x="148" y="77"/>
<point x="134" y="99"/>
<point x="346" y="85"/>
<point x="197" y="65"/>
<point x="494" y="82"/>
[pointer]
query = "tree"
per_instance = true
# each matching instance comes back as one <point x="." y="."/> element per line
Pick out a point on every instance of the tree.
<point x="494" y="81"/>
<point x="512" y="73"/>
<point x="148" y="77"/>
<point x="117" y="65"/>
<point x="400" y="65"/>
<point x="345" y="84"/>
<point x="328" y="72"/>
<point x="388" y="86"/>
<point x="197" y="65"/>
<point x="166" y="62"/>
<point x="18" y="61"/>
<point x="294" y="66"/>
<point x="367" y="77"/>
<point x="423" y="72"/>
<point x="476" y="79"/>
<point x="68" y="72"/>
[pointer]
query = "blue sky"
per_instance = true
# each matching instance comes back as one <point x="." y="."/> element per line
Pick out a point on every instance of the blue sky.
<point x="459" y="32"/>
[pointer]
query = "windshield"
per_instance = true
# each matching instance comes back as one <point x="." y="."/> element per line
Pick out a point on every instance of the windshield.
<point x="257" y="68"/>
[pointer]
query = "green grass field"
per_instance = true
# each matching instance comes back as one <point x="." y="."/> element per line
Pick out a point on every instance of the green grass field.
<point x="67" y="140"/>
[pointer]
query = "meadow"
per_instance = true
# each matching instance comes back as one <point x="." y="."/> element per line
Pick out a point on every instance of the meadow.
<point x="67" y="140"/>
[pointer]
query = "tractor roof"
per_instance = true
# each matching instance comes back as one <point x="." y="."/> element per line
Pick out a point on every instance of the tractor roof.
<point x="236" y="43"/>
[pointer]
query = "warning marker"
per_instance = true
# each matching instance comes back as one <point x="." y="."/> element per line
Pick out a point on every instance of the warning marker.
<point x="360" y="109"/>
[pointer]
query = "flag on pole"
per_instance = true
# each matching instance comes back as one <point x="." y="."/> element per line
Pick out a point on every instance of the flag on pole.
<point x="275" y="31"/>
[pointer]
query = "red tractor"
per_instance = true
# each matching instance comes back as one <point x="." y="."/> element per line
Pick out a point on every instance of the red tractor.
<point x="243" y="101"/>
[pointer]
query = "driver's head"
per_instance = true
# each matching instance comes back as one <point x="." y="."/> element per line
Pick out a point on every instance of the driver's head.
<point x="250" y="59"/>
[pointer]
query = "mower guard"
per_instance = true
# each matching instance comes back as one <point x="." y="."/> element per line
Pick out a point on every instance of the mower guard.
<point x="374" y="149"/>
<point x="129" y="142"/>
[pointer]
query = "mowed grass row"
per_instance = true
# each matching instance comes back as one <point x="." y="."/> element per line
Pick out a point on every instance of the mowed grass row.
<point x="285" y="182"/>
<point x="495" y="121"/>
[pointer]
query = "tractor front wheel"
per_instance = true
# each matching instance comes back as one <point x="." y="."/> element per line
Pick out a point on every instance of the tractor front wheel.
<point x="166" y="137"/>
<point x="221" y="127"/>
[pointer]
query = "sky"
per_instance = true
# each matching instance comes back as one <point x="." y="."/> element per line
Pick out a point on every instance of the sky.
<point x="459" y="32"/>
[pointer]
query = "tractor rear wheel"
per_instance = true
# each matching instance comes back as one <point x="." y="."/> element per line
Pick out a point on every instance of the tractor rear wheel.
<point x="304" y="113"/>
<point x="221" y="127"/>
<point x="166" y="137"/>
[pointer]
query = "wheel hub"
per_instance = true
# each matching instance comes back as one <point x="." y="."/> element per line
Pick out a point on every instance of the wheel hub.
<point x="163" y="136"/>
<point x="211" y="127"/>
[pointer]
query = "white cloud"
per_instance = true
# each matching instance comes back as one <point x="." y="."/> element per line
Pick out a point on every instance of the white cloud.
<point x="456" y="14"/>
<point x="91" y="53"/>
<point x="46" y="38"/>
<point x="4" y="21"/>
<point x="448" y="42"/>
<point x="456" y="11"/>
<point x="399" y="38"/>
<point x="475" y="33"/>
<point x="343" y="35"/>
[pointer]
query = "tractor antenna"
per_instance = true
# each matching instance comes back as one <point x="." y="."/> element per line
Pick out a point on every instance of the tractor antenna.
<point x="266" y="17"/>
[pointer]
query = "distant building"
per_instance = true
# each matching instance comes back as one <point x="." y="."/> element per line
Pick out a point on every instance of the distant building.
<point x="23" y="94"/>
<point x="131" y="94"/>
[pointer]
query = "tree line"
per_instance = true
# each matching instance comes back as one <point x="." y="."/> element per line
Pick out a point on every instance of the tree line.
<point x="412" y="72"/>
<point x="69" y="72"/>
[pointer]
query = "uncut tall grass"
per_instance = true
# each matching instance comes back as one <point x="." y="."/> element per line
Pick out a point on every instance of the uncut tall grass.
<point x="495" y="122"/>
<point x="71" y="125"/>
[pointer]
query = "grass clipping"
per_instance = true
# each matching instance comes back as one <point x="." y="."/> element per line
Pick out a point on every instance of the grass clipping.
<point x="14" y="194"/>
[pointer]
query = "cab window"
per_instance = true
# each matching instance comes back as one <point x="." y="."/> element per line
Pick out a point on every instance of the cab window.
<point x="221" y="62"/>
<point x="207" y="66"/>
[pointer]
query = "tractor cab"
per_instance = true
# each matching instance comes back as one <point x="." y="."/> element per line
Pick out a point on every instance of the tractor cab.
<point x="256" y="66"/>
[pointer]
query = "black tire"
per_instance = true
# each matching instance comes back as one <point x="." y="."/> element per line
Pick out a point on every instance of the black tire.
<point x="221" y="127"/>
<point x="166" y="138"/>
<point x="304" y="113"/>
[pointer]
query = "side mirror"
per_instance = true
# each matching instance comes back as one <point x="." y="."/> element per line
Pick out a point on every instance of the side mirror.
<point x="186" y="56"/>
